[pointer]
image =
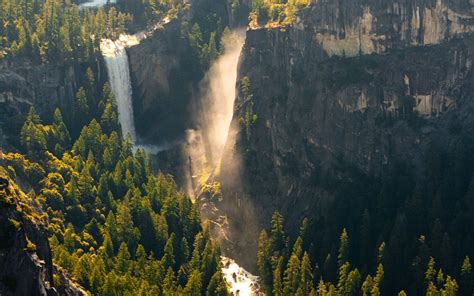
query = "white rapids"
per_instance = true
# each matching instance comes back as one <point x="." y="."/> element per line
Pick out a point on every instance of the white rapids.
<point x="241" y="282"/>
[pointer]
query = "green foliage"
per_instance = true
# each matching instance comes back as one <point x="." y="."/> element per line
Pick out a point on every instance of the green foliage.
<point x="30" y="246"/>
<point x="53" y="31"/>
<point x="275" y="13"/>
<point x="249" y="116"/>
<point x="204" y="49"/>
<point x="284" y="273"/>
<point x="116" y="227"/>
<point x="33" y="135"/>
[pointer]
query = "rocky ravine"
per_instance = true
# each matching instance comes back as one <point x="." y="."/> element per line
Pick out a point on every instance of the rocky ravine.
<point x="352" y="89"/>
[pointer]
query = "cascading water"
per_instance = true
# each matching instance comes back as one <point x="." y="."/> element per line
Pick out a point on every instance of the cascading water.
<point x="242" y="283"/>
<point x="217" y="109"/>
<point x="116" y="60"/>
<point x="218" y="102"/>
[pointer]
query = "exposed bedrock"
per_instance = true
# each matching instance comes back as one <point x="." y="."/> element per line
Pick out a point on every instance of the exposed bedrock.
<point x="164" y="79"/>
<point x="352" y="91"/>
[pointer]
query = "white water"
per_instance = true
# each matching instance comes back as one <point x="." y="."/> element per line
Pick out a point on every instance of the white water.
<point x="116" y="60"/>
<point x="215" y="119"/>
<point x="218" y="101"/>
<point x="241" y="282"/>
<point x="96" y="3"/>
<point x="220" y="106"/>
<point x="205" y="145"/>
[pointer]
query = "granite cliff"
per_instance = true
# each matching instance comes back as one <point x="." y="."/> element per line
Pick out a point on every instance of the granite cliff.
<point x="25" y="84"/>
<point x="349" y="94"/>
<point x="164" y="79"/>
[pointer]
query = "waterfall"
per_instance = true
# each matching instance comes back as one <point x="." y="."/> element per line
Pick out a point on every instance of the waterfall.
<point x="218" y="101"/>
<point x="116" y="60"/>
<point x="205" y="145"/>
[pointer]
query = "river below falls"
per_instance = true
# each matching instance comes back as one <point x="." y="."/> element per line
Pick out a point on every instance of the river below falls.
<point x="241" y="282"/>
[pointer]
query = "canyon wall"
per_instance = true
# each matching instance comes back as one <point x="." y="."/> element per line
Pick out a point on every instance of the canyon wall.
<point x="24" y="84"/>
<point x="164" y="79"/>
<point x="351" y="91"/>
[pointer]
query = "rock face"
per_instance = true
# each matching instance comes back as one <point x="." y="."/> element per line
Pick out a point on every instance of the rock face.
<point x="358" y="27"/>
<point x="46" y="87"/>
<point x="353" y="89"/>
<point x="26" y="266"/>
<point x="164" y="79"/>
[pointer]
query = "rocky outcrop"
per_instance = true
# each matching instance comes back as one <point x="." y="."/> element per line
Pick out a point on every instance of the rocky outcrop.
<point x="26" y="266"/>
<point x="358" y="27"/>
<point x="24" y="84"/>
<point x="353" y="89"/>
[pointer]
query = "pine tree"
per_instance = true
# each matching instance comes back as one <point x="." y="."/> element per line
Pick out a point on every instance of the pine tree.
<point x="322" y="289"/>
<point x="381" y="253"/>
<point x="450" y="287"/>
<point x="217" y="286"/>
<point x="140" y="258"/>
<point x="61" y="133"/>
<point x="108" y="246"/>
<point x="33" y="137"/>
<point x="278" y="241"/>
<point x="292" y="276"/>
<point x="467" y="278"/>
<point x="430" y="271"/>
<point x="264" y="261"/>
<point x="122" y="262"/>
<point x="343" y="273"/>
<point x="82" y="108"/>
<point x="353" y="282"/>
<point x="377" y="281"/>
<point x="277" y="275"/>
<point x="367" y="285"/>
<point x="306" y="281"/>
<point x="169" y="283"/>
<point x="194" y="285"/>
<point x="343" y="248"/>
<point x="168" y="257"/>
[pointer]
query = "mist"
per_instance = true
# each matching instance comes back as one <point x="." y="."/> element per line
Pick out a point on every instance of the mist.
<point x="205" y="145"/>
<point x="218" y="101"/>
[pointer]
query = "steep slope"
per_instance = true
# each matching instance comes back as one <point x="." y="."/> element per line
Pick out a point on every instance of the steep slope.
<point x="354" y="94"/>
<point x="25" y="254"/>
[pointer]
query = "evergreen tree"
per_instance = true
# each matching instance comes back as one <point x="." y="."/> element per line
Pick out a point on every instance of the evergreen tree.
<point x="306" y="281"/>
<point x="343" y="248"/>
<point x="122" y="263"/>
<point x="292" y="275"/>
<point x="194" y="285"/>
<point x="264" y="261"/>
<point x="168" y="257"/>
<point x="277" y="278"/>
